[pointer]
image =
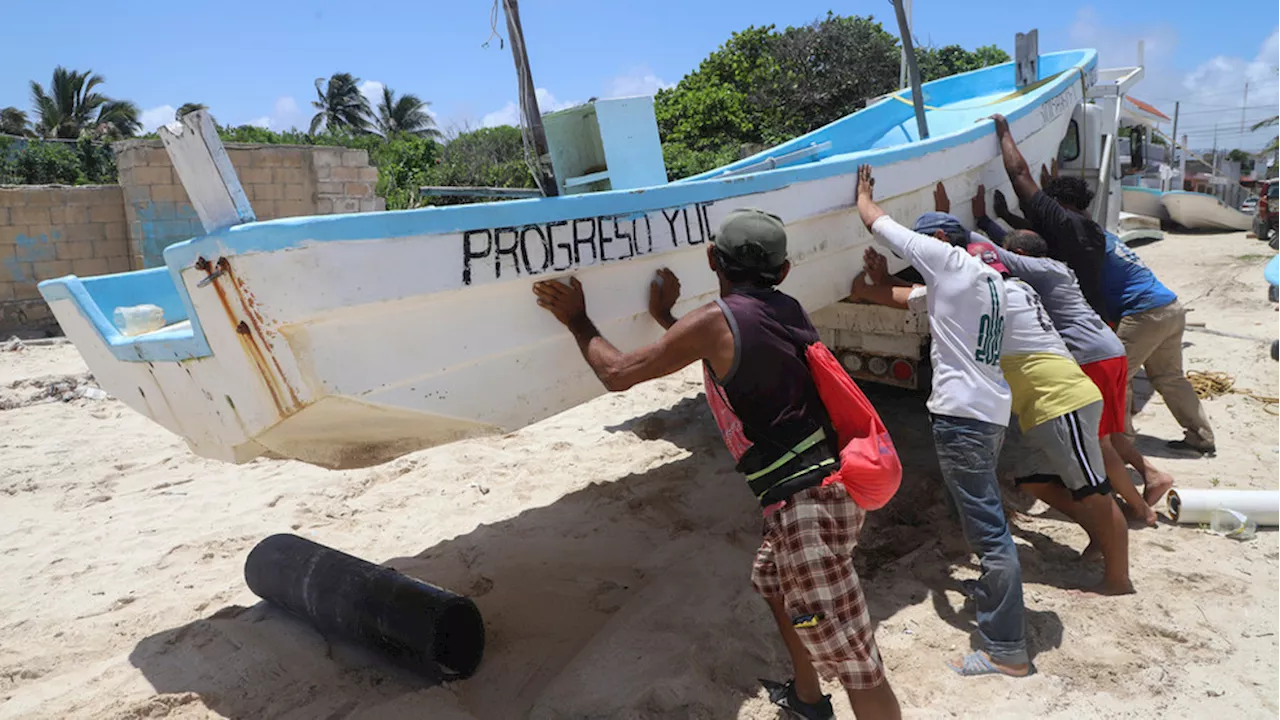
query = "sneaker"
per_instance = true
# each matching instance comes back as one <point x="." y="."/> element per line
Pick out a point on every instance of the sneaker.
<point x="784" y="696"/>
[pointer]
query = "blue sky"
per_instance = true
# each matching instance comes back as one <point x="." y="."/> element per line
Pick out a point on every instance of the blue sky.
<point x="256" y="62"/>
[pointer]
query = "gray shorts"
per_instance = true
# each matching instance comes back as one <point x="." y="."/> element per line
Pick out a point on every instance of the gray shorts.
<point x="1064" y="450"/>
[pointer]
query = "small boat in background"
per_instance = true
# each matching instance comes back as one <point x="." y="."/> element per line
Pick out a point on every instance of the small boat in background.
<point x="1145" y="201"/>
<point x="1200" y="211"/>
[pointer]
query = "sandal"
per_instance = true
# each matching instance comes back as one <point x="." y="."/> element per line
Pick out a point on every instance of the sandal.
<point x="784" y="696"/>
<point x="977" y="663"/>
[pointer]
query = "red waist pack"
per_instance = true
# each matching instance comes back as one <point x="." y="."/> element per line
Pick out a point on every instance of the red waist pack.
<point x="869" y="466"/>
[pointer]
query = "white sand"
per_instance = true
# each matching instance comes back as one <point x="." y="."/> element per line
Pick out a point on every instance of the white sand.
<point x="609" y="550"/>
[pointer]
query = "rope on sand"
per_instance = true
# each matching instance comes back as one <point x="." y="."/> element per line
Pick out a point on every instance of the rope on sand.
<point x="1209" y="384"/>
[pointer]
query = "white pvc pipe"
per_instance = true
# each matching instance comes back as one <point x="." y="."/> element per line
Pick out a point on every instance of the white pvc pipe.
<point x="1193" y="506"/>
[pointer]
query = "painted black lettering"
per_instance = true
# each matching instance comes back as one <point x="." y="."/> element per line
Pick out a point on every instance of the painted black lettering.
<point x="671" y="225"/>
<point x="706" y="219"/>
<point x="688" y="234"/>
<point x="499" y="251"/>
<point x="579" y="240"/>
<point x="648" y="230"/>
<point x="604" y="238"/>
<point x="554" y="248"/>
<point x="541" y="244"/>
<point x="469" y="254"/>
<point x="620" y="234"/>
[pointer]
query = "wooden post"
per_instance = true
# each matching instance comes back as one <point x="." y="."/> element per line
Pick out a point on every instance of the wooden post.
<point x="917" y="97"/>
<point x="201" y="163"/>
<point x="531" y="118"/>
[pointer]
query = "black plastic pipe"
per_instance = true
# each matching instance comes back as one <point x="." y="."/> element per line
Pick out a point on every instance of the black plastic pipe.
<point x="418" y="625"/>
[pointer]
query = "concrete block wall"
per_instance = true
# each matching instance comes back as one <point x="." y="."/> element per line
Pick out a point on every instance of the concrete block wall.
<point x="51" y="231"/>
<point x="279" y="180"/>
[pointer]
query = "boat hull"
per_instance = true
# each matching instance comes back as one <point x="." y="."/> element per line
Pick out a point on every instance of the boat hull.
<point x="1143" y="201"/>
<point x="1197" y="211"/>
<point x="346" y="341"/>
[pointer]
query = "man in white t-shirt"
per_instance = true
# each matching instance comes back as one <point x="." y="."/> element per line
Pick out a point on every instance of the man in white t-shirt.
<point x="969" y="406"/>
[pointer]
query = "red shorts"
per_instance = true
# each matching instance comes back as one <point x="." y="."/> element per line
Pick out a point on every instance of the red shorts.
<point x="1111" y="376"/>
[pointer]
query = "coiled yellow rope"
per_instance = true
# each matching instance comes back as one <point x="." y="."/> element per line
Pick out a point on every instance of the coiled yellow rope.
<point x="1211" y="384"/>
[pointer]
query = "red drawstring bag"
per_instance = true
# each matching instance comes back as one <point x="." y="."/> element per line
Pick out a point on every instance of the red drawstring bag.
<point x="869" y="467"/>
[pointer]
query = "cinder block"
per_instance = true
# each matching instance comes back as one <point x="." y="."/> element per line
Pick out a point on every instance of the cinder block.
<point x="355" y="158"/>
<point x="286" y="176"/>
<point x="346" y="206"/>
<point x="91" y="267"/>
<point x="119" y="264"/>
<point x="368" y="174"/>
<point x="26" y="289"/>
<point x="270" y="191"/>
<point x="345" y="174"/>
<point x="329" y="188"/>
<point x="4" y="216"/>
<point x="111" y="247"/>
<point x="380" y="204"/>
<point x="326" y="157"/>
<point x="292" y="208"/>
<point x="158" y="157"/>
<point x="267" y="157"/>
<point x="296" y="191"/>
<point x="88" y="231"/>
<point x="43" y="197"/>
<point x="106" y="213"/>
<point x="255" y="176"/>
<point x="6" y="290"/>
<point x="358" y="190"/>
<point x="117" y="231"/>
<point x="266" y="210"/>
<point x="30" y="216"/>
<point x="149" y="175"/>
<point x="169" y="194"/>
<point x="46" y="269"/>
<point x="74" y="250"/>
<point x="368" y="205"/>
<point x="324" y="206"/>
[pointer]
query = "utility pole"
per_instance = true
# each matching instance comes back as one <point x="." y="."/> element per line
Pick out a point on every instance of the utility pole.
<point x="1243" y="105"/>
<point x="902" y="65"/>
<point x="1182" y="163"/>
<point x="535" y="137"/>
<point x="1215" y="148"/>
<point x="1174" y="137"/>
<point x="909" y="51"/>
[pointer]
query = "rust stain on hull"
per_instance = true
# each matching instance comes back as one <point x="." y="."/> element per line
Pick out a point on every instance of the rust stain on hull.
<point x="249" y="332"/>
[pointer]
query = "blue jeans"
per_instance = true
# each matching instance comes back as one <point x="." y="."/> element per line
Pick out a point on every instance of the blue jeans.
<point x="967" y="453"/>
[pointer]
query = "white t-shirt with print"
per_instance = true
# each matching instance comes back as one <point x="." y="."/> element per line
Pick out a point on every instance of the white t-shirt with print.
<point x="965" y="300"/>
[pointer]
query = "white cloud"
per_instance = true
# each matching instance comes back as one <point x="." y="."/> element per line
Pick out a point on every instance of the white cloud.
<point x="285" y="114"/>
<point x="153" y="118"/>
<point x="262" y="122"/>
<point x="1211" y="93"/>
<point x="639" y="81"/>
<point x="372" y="91"/>
<point x="510" y="113"/>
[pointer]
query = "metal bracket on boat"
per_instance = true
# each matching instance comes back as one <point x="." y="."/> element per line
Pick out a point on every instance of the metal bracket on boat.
<point x="205" y="265"/>
<point x="779" y="161"/>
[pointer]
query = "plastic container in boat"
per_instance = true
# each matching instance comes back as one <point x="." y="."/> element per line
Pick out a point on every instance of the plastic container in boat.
<point x="139" y="319"/>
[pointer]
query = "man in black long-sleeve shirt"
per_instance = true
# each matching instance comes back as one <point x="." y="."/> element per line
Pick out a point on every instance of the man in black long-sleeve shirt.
<point x="1072" y="237"/>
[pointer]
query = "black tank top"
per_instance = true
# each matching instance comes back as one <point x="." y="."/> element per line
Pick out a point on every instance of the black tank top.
<point x="769" y="385"/>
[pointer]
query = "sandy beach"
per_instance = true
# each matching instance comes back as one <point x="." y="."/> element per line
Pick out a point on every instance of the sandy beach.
<point x="609" y="550"/>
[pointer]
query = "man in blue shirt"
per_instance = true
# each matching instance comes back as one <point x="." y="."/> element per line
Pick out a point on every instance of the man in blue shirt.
<point x="1147" y="317"/>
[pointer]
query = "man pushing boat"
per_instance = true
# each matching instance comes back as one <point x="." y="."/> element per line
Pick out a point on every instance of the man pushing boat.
<point x="753" y="342"/>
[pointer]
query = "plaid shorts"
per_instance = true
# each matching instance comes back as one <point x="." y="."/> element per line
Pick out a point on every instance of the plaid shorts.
<point x="807" y="560"/>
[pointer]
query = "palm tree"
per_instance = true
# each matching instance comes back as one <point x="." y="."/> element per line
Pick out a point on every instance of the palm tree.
<point x="1275" y="141"/>
<point x="118" y="119"/>
<point x="408" y="114"/>
<point x="68" y="107"/>
<point x="341" y="105"/>
<point x="13" y="122"/>
<point x="189" y="108"/>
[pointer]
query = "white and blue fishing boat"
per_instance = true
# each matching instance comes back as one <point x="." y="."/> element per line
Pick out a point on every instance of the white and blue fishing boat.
<point x="347" y="340"/>
<point x="1202" y="211"/>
